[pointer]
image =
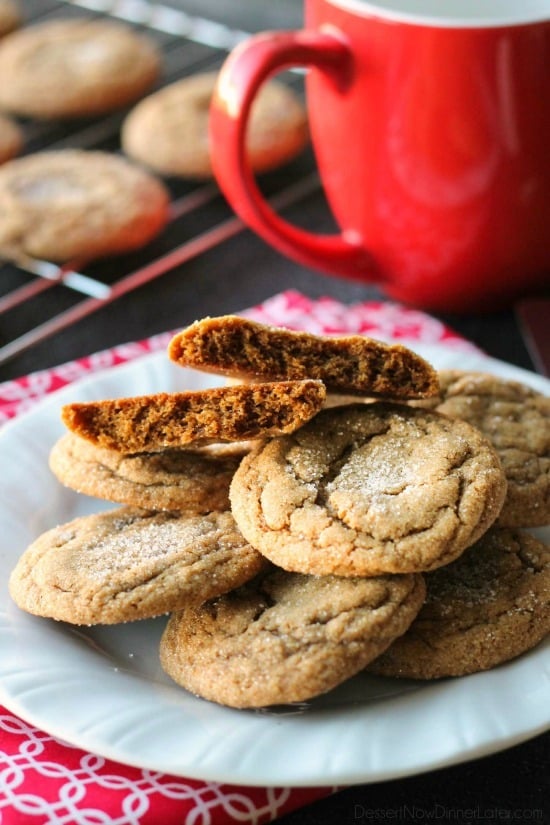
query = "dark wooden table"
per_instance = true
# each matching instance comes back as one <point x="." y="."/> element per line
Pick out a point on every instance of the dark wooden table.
<point x="512" y="785"/>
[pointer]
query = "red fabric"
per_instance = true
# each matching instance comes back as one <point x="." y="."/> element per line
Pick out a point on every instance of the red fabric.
<point x="44" y="780"/>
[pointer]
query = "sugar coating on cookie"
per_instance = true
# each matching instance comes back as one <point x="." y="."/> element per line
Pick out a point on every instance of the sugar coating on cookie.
<point x="196" y="417"/>
<point x="75" y="68"/>
<point x="129" y="564"/>
<point x="11" y="138"/>
<point x="487" y="607"/>
<point x="168" y="131"/>
<point x="367" y="489"/>
<point x="77" y="204"/>
<point x="194" y="481"/>
<point x="352" y="364"/>
<point x="286" y="637"/>
<point x="516" y="419"/>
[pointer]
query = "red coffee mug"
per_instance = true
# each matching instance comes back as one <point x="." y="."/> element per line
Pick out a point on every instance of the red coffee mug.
<point x="432" y="138"/>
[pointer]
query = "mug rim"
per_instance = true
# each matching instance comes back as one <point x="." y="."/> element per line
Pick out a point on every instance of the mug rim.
<point x="535" y="11"/>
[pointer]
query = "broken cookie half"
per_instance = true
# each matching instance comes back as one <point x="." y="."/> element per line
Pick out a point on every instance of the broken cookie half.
<point x="354" y="364"/>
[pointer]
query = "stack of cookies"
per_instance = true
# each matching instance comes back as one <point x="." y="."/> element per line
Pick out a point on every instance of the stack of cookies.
<point x="335" y="506"/>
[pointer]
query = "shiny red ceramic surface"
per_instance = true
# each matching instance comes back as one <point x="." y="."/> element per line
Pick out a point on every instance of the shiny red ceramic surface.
<point x="433" y="146"/>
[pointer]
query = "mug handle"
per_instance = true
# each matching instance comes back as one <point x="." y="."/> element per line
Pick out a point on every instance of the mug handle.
<point x="240" y="78"/>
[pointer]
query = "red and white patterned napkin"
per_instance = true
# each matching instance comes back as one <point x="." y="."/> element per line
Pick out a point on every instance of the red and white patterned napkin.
<point x="44" y="780"/>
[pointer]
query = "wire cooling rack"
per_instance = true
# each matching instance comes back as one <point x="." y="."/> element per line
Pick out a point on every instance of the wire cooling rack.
<point x="200" y="219"/>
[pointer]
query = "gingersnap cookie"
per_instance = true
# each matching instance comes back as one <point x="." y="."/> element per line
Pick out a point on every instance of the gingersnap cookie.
<point x="516" y="419"/>
<point x="11" y="138"/>
<point x="487" y="607"/>
<point x="172" y="479"/>
<point x="129" y="564"/>
<point x="353" y="365"/>
<point x="149" y="423"/>
<point x="368" y="489"/>
<point x="10" y="16"/>
<point x="168" y="131"/>
<point x="75" y="68"/>
<point x="77" y="204"/>
<point x="285" y="637"/>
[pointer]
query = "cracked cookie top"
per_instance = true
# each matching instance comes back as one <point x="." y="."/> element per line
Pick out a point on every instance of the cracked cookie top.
<point x="128" y="564"/>
<point x="368" y="489"/>
<point x="285" y="637"/>
<point x="516" y="419"/>
<point x="490" y="605"/>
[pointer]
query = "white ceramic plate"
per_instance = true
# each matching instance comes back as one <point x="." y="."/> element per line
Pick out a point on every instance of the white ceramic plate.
<point x="102" y="688"/>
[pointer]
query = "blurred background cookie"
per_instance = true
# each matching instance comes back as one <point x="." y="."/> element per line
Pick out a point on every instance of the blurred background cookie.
<point x="77" y="204"/>
<point x="11" y="138"/>
<point x="10" y="16"/>
<point x="75" y="68"/>
<point x="168" y="131"/>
